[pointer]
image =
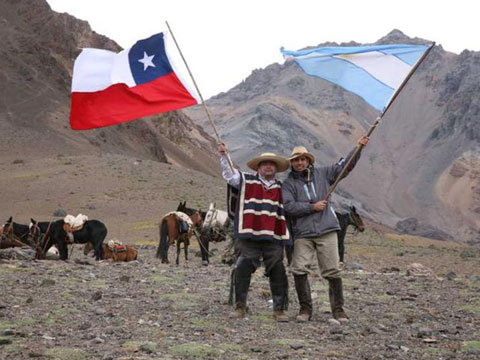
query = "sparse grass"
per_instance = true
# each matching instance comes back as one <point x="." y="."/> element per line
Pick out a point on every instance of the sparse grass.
<point x="229" y="347"/>
<point x="288" y="342"/>
<point x="145" y="242"/>
<point x="471" y="345"/>
<point x="202" y="323"/>
<point x="64" y="353"/>
<point x="145" y="225"/>
<point x="195" y="350"/>
<point x="263" y="317"/>
<point x="7" y="325"/>
<point x="473" y="308"/>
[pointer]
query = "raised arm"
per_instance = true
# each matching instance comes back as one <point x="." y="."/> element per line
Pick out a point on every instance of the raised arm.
<point x="231" y="176"/>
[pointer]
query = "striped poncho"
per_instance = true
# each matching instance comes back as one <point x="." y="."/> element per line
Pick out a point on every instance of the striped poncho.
<point x="259" y="212"/>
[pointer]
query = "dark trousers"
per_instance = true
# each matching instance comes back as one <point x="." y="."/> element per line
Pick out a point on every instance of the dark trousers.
<point x="251" y="252"/>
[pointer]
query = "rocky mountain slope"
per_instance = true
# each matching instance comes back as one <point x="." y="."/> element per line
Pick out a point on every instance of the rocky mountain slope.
<point x="420" y="173"/>
<point x="37" y="50"/>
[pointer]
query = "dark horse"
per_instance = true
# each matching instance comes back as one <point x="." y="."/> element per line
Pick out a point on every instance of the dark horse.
<point x="344" y="219"/>
<point x="202" y="237"/>
<point x="13" y="234"/>
<point x="172" y="230"/>
<point x="55" y="233"/>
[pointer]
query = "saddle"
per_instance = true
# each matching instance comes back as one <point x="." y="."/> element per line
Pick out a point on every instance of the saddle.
<point x="183" y="227"/>
<point x="116" y="246"/>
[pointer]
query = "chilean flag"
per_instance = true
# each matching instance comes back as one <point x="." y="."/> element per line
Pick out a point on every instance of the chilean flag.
<point x="110" y="88"/>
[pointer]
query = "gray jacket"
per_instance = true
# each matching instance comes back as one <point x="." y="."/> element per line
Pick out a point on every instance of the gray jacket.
<point x="302" y="189"/>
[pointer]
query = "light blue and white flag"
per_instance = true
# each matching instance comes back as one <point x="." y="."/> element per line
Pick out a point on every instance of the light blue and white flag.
<point x="372" y="72"/>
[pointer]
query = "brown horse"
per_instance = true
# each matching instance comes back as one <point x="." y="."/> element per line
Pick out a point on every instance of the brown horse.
<point x="118" y="253"/>
<point x="172" y="229"/>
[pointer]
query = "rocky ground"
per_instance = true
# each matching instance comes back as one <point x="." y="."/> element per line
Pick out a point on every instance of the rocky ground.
<point x="82" y="309"/>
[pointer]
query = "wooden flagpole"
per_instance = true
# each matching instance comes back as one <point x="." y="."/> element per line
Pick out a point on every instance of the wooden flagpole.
<point x="219" y="140"/>
<point x="377" y="120"/>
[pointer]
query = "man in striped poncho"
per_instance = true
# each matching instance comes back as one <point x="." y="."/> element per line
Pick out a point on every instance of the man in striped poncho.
<point x="260" y="228"/>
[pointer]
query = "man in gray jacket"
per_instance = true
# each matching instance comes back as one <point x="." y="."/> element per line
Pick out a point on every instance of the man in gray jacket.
<point x="314" y="226"/>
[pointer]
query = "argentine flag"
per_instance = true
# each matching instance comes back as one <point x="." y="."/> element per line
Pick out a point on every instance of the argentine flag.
<point x="372" y="72"/>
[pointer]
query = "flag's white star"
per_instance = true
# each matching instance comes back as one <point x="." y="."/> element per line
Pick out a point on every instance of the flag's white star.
<point x="147" y="61"/>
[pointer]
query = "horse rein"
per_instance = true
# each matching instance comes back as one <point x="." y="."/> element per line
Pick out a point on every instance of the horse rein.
<point x="9" y="234"/>
<point x="46" y="236"/>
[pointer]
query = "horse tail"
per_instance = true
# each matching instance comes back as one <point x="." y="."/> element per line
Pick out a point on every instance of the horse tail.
<point x="162" y="251"/>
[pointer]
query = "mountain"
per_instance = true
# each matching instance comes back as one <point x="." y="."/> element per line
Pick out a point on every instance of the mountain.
<point x="37" y="50"/>
<point x="420" y="172"/>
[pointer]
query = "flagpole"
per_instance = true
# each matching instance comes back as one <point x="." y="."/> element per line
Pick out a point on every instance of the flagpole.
<point x="219" y="140"/>
<point x="377" y="121"/>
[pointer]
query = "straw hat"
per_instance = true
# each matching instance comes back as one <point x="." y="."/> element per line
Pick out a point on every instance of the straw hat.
<point x="301" y="151"/>
<point x="282" y="163"/>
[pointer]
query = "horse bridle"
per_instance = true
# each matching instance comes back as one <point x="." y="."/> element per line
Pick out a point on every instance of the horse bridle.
<point x="8" y="233"/>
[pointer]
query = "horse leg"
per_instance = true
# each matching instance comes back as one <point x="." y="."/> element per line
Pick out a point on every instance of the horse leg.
<point x="178" y="251"/>
<point x="185" y="249"/>
<point x="62" y="250"/>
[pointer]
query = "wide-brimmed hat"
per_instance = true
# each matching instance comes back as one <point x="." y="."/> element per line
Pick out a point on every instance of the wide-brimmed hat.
<point x="301" y="151"/>
<point x="281" y="162"/>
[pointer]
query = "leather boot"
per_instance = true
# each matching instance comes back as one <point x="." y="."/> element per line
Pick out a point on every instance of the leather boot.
<point x="240" y="311"/>
<point x="335" y="293"/>
<point x="304" y="297"/>
<point x="243" y="276"/>
<point x="279" y="288"/>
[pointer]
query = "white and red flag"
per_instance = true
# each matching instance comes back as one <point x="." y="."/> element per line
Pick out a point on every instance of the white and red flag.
<point x="110" y="88"/>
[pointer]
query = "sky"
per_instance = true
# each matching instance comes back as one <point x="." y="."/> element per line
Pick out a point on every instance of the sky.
<point x="223" y="41"/>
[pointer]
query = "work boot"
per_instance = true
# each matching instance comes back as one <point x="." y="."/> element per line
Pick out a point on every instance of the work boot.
<point x="280" y="316"/>
<point x="279" y="288"/>
<point x="335" y="293"/>
<point x="304" y="297"/>
<point x="240" y="311"/>
<point x="243" y="276"/>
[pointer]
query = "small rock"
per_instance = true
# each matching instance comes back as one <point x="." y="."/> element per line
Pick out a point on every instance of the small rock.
<point x="34" y="354"/>
<point x="98" y="340"/>
<point x="97" y="296"/>
<point x="451" y="275"/>
<point x="60" y="213"/>
<point x="334" y="322"/>
<point x="354" y="266"/>
<point x="100" y="311"/>
<point x="85" y="326"/>
<point x="47" y="337"/>
<point x="29" y="300"/>
<point x="296" y="346"/>
<point x="124" y="278"/>
<point x="423" y="332"/>
<point x="47" y="282"/>
<point x="18" y="161"/>
<point x="147" y="348"/>
<point x="5" y="341"/>
<point x="336" y="330"/>
<point x="372" y="330"/>
<point x="7" y="332"/>
<point x="3" y="306"/>
<point x="404" y="348"/>
<point x="472" y="278"/>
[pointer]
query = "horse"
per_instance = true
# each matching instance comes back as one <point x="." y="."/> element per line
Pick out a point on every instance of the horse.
<point x="171" y="229"/>
<point x="55" y="233"/>
<point x="182" y="207"/>
<point x="117" y="252"/>
<point x="344" y="219"/>
<point x="217" y="226"/>
<point x="13" y="234"/>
